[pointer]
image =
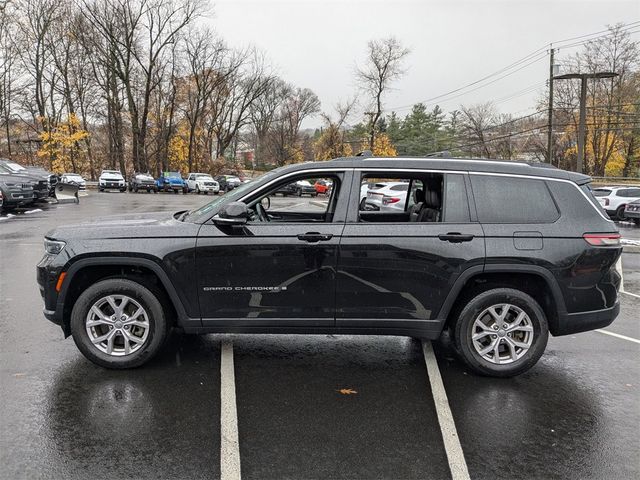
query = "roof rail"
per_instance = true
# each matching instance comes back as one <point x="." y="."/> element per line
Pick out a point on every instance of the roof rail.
<point x="441" y="154"/>
<point x="365" y="153"/>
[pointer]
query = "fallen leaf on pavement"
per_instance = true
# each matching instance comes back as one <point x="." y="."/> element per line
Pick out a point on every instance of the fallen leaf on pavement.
<point x="347" y="391"/>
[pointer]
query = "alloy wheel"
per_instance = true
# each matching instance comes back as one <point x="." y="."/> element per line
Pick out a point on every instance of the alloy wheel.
<point x="502" y="333"/>
<point x="117" y="325"/>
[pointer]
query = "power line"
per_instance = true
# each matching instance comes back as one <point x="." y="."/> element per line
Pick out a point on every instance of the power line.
<point x="535" y="56"/>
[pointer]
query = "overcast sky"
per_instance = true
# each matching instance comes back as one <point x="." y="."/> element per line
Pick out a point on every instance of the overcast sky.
<point x="317" y="44"/>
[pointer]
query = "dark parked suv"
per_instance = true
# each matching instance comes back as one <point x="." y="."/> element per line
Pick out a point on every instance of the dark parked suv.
<point x="498" y="254"/>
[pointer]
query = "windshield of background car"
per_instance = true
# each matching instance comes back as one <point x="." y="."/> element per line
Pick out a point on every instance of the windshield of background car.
<point x="14" y="167"/>
<point x="204" y="176"/>
<point x="200" y="214"/>
<point x="172" y="175"/>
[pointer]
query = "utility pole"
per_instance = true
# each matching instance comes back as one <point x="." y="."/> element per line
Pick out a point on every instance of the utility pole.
<point x="582" y="127"/>
<point x="550" y="130"/>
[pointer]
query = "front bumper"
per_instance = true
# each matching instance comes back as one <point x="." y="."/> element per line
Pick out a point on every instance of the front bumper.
<point x="584" y="321"/>
<point x="632" y="213"/>
<point x="112" y="185"/>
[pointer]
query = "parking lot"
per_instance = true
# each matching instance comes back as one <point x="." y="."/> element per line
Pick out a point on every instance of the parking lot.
<point x="353" y="407"/>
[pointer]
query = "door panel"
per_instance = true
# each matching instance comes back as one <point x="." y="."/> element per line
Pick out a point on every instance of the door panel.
<point x="263" y="274"/>
<point x="398" y="275"/>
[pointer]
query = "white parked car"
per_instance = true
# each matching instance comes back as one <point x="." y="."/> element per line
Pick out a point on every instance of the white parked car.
<point x="74" y="178"/>
<point x="386" y="196"/>
<point x="111" y="179"/>
<point x="614" y="199"/>
<point x="202" y="182"/>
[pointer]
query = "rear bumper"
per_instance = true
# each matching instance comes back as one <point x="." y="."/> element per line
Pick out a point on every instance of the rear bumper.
<point x="585" y="321"/>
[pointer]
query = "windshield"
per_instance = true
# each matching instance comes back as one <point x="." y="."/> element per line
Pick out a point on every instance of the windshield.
<point x="172" y="175"/>
<point x="73" y="176"/>
<point x="204" y="176"/>
<point x="200" y="214"/>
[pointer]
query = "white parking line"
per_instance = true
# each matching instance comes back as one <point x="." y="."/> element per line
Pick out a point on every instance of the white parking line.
<point x="229" y="443"/>
<point x="617" y="335"/>
<point x="455" y="455"/>
<point x="629" y="293"/>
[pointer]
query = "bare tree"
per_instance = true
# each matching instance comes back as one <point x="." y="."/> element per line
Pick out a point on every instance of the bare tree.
<point x="383" y="66"/>
<point x="475" y="124"/>
<point x="331" y="143"/>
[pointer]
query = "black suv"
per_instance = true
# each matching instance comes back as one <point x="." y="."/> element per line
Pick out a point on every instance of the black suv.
<point x="497" y="254"/>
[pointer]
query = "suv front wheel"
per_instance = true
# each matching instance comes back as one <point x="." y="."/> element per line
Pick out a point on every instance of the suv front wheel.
<point x="118" y="323"/>
<point x="501" y="332"/>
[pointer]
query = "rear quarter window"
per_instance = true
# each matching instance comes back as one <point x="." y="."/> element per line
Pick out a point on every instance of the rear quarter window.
<point x="513" y="200"/>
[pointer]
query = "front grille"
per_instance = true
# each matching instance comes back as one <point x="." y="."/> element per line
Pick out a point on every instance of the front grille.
<point x="209" y="184"/>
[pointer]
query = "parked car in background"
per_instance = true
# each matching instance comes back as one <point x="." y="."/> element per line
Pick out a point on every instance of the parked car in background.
<point x="632" y="211"/>
<point x="75" y="179"/>
<point x="202" y="183"/>
<point x="171" y="182"/>
<point x="111" y="180"/>
<point x="227" y="182"/>
<point x="304" y="187"/>
<point x="322" y="186"/>
<point x="43" y="182"/>
<point x="17" y="191"/>
<point x="384" y="196"/>
<point x="142" y="181"/>
<point x="614" y="199"/>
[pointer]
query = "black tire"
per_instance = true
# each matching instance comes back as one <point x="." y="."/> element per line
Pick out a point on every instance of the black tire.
<point x="198" y="189"/>
<point x="176" y="192"/>
<point x="637" y="222"/>
<point x="206" y="192"/>
<point x="158" y="324"/>
<point x="620" y="213"/>
<point x="122" y="190"/>
<point x="101" y="189"/>
<point x="135" y="189"/>
<point x="299" y="192"/>
<point x="463" y="330"/>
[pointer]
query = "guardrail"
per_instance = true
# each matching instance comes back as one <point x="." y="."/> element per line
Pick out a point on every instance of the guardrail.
<point x="616" y="180"/>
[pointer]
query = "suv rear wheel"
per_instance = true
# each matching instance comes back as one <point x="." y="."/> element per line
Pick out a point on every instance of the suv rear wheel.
<point x="501" y="332"/>
<point x="118" y="323"/>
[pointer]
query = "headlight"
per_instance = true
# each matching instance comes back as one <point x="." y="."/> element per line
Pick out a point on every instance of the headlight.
<point x="53" y="247"/>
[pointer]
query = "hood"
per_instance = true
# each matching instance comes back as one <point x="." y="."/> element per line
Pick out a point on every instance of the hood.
<point x="174" y="180"/>
<point x="146" y="178"/>
<point x="137" y="225"/>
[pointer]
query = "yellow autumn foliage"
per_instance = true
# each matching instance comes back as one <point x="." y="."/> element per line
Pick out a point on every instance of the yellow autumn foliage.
<point x="178" y="152"/>
<point x="61" y="145"/>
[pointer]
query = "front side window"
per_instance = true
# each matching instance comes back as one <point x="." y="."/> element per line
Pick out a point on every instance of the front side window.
<point x="295" y="200"/>
<point x="502" y="199"/>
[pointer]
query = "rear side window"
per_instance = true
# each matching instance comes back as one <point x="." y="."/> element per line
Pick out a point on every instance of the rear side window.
<point x="628" y="192"/>
<point x="513" y="200"/>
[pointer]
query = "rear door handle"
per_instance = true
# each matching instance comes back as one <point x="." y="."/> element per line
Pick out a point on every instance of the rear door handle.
<point x="315" y="237"/>
<point x="455" y="237"/>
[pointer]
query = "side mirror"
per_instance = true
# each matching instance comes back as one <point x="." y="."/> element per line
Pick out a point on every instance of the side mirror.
<point x="233" y="213"/>
<point x="266" y="203"/>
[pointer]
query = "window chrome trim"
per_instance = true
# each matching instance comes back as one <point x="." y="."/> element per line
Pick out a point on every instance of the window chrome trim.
<point x="292" y="174"/>
<point x="424" y="170"/>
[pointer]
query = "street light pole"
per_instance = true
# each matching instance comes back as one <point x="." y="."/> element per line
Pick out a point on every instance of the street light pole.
<point x="583" y="108"/>
<point x="550" y="130"/>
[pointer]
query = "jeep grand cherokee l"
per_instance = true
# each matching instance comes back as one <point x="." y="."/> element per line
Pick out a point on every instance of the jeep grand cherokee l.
<point x="499" y="254"/>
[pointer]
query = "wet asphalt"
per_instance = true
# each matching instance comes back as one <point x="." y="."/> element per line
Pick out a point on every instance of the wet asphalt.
<point x="575" y="415"/>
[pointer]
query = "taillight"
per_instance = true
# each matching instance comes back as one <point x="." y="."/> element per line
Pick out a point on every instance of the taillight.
<point x="602" y="239"/>
<point x="388" y="200"/>
<point x="606" y="202"/>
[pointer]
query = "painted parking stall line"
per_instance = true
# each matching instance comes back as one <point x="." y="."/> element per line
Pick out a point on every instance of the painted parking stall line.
<point x="455" y="455"/>
<point x="617" y="335"/>
<point x="229" y="443"/>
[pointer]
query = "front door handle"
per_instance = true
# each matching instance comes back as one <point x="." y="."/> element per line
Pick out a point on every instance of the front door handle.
<point x="315" y="237"/>
<point x="455" y="237"/>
